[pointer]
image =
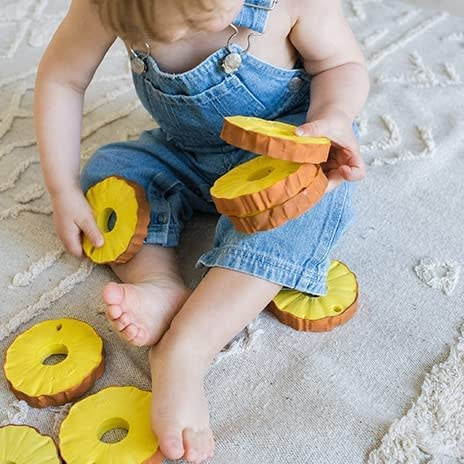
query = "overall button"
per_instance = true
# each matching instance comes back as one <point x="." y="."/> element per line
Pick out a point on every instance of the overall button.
<point x="162" y="218"/>
<point x="295" y="83"/>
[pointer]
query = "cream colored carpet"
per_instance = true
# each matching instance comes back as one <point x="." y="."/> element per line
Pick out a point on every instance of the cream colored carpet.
<point x="366" y="392"/>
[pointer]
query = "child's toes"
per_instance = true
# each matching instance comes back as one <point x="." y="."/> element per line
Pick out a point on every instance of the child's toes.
<point x="113" y="312"/>
<point x="170" y="441"/>
<point x="130" y="332"/>
<point x="211" y="446"/>
<point x="113" y="293"/>
<point x="197" y="445"/>
<point x="120" y="323"/>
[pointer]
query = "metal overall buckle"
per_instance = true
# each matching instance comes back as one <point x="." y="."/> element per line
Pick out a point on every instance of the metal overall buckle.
<point x="138" y="64"/>
<point x="233" y="60"/>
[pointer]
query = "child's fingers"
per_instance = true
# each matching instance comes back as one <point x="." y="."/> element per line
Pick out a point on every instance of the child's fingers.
<point x="353" y="167"/>
<point x="70" y="236"/>
<point x="334" y="180"/>
<point x="352" y="173"/>
<point x="89" y="227"/>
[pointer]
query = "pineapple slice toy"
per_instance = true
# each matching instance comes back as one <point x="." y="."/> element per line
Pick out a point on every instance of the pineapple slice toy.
<point x="319" y="313"/>
<point x="40" y="384"/>
<point x="21" y="444"/>
<point x="82" y="432"/>
<point x="122" y="215"/>
<point x="260" y="184"/>
<point x="275" y="139"/>
<point x="281" y="184"/>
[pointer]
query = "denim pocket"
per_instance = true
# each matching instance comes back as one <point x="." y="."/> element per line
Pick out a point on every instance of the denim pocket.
<point x="195" y="120"/>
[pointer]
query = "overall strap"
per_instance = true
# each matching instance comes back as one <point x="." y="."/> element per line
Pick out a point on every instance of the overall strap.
<point x="254" y="14"/>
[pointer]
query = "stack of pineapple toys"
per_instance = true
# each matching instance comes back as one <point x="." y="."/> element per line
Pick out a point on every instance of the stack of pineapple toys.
<point x="284" y="181"/>
<point x="280" y="184"/>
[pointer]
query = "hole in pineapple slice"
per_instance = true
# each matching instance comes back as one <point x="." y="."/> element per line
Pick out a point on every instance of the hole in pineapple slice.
<point x="258" y="175"/>
<point x="113" y="430"/>
<point x="59" y="327"/>
<point x="337" y="309"/>
<point x="107" y="220"/>
<point x="54" y="354"/>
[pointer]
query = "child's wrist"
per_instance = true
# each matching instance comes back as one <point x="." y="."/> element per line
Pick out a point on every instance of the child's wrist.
<point x="329" y="112"/>
<point x="62" y="190"/>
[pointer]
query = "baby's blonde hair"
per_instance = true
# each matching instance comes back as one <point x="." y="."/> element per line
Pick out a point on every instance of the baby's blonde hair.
<point x="133" y="19"/>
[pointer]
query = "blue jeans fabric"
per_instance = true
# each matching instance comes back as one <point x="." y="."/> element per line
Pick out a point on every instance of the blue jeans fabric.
<point x="178" y="163"/>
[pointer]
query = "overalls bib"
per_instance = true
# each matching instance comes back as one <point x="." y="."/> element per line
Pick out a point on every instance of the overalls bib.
<point x="178" y="162"/>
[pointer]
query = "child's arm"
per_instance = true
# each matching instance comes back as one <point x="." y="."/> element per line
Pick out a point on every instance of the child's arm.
<point x="339" y="85"/>
<point x="65" y="70"/>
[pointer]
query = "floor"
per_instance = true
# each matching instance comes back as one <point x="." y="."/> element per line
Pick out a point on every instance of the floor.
<point x="453" y="6"/>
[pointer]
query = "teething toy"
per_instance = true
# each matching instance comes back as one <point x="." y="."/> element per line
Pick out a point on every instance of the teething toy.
<point x="127" y="408"/>
<point x="279" y="214"/>
<point x="319" y="313"/>
<point x="21" y="444"/>
<point x="275" y="139"/>
<point x="122" y="215"/>
<point x="269" y="190"/>
<point x="42" y="385"/>
<point x="259" y="184"/>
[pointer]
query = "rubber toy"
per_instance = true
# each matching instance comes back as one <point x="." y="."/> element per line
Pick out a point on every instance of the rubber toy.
<point x="284" y="181"/>
<point x="275" y="139"/>
<point x="127" y="408"/>
<point x="122" y="214"/>
<point x="22" y="444"/>
<point x="260" y="184"/>
<point x="42" y="384"/>
<point x="280" y="214"/>
<point x="319" y="313"/>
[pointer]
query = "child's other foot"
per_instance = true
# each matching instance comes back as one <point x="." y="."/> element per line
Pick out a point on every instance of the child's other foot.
<point x="179" y="407"/>
<point x="140" y="313"/>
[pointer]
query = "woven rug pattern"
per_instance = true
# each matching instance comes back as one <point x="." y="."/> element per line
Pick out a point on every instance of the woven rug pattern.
<point x="385" y="388"/>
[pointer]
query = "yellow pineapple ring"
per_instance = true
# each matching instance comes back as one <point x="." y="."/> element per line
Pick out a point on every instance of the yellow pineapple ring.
<point x="275" y="139"/>
<point x="319" y="313"/>
<point x="42" y="385"/>
<point x="123" y="202"/>
<point x="21" y="444"/>
<point x="128" y="408"/>
<point x="259" y="184"/>
<point x="279" y="214"/>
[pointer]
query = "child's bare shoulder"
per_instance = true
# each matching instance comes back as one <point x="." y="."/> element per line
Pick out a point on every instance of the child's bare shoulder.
<point x="78" y="45"/>
<point x="321" y="33"/>
<point x="312" y="9"/>
<point x="82" y="18"/>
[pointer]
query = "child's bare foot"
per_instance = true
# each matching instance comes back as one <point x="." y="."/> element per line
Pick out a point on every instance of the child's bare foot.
<point x="179" y="407"/>
<point x="140" y="313"/>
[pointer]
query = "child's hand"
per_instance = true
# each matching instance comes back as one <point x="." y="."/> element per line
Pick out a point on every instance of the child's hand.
<point x="71" y="215"/>
<point x="345" y="161"/>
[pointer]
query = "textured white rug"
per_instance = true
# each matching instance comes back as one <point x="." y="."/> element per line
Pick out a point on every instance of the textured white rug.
<point x="277" y="395"/>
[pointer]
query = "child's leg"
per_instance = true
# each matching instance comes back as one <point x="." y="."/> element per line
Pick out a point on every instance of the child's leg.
<point x="141" y="309"/>
<point x="247" y="271"/>
<point x="224" y="302"/>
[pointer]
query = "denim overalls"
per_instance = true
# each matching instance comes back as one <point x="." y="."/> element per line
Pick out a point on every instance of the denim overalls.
<point x="178" y="162"/>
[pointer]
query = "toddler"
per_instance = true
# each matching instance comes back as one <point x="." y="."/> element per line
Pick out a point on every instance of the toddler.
<point x="195" y="62"/>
